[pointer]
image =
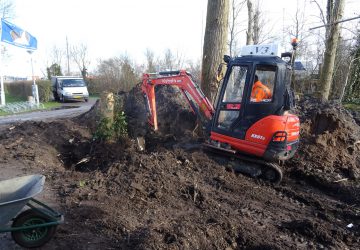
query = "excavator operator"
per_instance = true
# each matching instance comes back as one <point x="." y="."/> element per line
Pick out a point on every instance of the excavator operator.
<point x="260" y="92"/>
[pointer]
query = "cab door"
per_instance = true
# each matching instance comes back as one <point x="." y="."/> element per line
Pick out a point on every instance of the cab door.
<point x="254" y="108"/>
<point x="229" y="109"/>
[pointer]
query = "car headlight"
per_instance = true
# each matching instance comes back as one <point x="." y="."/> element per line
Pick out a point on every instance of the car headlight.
<point x="67" y="93"/>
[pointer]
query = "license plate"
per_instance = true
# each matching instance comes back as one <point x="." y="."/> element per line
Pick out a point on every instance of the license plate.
<point x="77" y="96"/>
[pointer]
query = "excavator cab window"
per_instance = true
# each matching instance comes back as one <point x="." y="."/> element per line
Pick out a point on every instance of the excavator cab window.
<point x="232" y="97"/>
<point x="263" y="86"/>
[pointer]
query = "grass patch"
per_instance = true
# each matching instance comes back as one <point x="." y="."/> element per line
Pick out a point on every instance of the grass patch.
<point x="12" y="99"/>
<point x="94" y="96"/>
<point x="47" y="106"/>
<point x="352" y="106"/>
<point x="52" y="104"/>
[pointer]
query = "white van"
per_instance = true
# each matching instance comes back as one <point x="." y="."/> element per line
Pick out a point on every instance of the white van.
<point x="69" y="88"/>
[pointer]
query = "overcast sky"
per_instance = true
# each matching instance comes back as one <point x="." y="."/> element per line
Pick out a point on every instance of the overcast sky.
<point x="113" y="27"/>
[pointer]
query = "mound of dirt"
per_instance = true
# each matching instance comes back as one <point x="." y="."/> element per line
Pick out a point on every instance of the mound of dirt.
<point x="174" y="115"/>
<point x="329" y="152"/>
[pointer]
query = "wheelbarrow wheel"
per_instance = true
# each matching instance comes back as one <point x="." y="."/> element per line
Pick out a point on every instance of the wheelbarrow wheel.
<point x="32" y="238"/>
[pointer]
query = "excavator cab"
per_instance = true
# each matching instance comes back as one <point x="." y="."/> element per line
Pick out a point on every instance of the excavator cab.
<point x="251" y="107"/>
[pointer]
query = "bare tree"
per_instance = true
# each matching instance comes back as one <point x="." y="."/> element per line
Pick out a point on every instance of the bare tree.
<point x="250" y="29"/>
<point x="341" y="68"/>
<point x="298" y="29"/>
<point x="128" y="76"/>
<point x="256" y="23"/>
<point x="215" y="42"/>
<point x="172" y="61"/>
<point x="80" y="56"/>
<point x="335" y="10"/>
<point x="351" y="88"/>
<point x="195" y="69"/>
<point x="150" y="68"/>
<point x="235" y="9"/>
<point x="109" y="73"/>
<point x="56" y="55"/>
<point x="262" y="31"/>
<point x="7" y="8"/>
<point x="117" y="74"/>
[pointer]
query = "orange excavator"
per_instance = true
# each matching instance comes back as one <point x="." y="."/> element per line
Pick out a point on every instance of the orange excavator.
<point x="262" y="133"/>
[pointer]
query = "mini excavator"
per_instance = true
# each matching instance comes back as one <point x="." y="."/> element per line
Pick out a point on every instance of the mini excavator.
<point x="261" y="133"/>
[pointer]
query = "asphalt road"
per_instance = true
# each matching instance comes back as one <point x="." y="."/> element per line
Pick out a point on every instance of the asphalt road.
<point x="69" y="109"/>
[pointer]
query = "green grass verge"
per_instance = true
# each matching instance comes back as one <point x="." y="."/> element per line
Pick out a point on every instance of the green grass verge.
<point x="47" y="106"/>
<point x="12" y="99"/>
<point x="94" y="96"/>
<point x="51" y="104"/>
<point x="352" y="106"/>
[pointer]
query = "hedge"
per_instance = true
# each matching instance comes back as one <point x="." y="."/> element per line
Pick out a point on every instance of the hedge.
<point x="23" y="89"/>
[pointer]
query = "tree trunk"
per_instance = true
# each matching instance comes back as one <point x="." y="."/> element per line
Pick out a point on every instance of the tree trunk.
<point x="330" y="51"/>
<point x="232" y="29"/>
<point x="215" y="42"/>
<point x="250" y="29"/>
<point x="256" y="29"/>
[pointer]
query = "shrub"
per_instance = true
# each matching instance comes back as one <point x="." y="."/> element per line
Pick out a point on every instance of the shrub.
<point x="20" y="89"/>
<point x="45" y="90"/>
<point x="117" y="130"/>
<point x="104" y="130"/>
<point x="120" y="125"/>
<point x="23" y="89"/>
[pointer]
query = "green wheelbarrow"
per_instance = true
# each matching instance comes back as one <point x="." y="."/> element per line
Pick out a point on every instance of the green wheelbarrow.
<point x="32" y="227"/>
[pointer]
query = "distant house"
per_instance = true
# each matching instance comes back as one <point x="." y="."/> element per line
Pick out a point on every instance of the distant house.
<point x="30" y="78"/>
<point x="299" y="66"/>
<point x="14" y="79"/>
<point x="306" y="82"/>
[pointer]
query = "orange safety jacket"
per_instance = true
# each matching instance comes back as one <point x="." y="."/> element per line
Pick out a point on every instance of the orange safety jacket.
<point x="260" y="92"/>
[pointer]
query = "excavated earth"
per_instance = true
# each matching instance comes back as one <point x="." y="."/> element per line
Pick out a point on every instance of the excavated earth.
<point x="175" y="195"/>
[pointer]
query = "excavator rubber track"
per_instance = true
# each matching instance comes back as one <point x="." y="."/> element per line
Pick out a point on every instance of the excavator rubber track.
<point x="254" y="167"/>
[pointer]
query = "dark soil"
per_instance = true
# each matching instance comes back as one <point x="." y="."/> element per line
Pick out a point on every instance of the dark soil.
<point x="174" y="195"/>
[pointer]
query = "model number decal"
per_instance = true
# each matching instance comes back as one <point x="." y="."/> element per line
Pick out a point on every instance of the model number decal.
<point x="169" y="81"/>
<point x="260" y="137"/>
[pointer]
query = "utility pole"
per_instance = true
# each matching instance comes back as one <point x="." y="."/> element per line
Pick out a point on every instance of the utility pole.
<point x="35" y="90"/>
<point x="68" y="57"/>
<point x="2" y="79"/>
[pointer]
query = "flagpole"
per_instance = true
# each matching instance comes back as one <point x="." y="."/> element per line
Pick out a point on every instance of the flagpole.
<point x="2" y="79"/>
<point x="1" y="70"/>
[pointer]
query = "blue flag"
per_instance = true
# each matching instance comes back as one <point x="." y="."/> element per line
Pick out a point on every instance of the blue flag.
<point x="14" y="35"/>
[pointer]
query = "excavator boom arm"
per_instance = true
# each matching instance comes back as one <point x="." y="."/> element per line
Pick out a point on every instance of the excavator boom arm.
<point x="199" y="103"/>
